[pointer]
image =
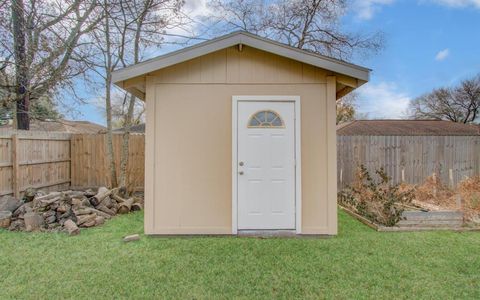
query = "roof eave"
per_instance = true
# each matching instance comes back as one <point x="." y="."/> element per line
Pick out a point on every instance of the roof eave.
<point x="247" y="39"/>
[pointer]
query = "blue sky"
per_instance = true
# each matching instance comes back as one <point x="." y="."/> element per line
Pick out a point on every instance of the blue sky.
<point x="429" y="44"/>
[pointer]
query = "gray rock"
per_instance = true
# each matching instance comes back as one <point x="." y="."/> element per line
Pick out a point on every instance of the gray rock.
<point x="29" y="194"/>
<point x="17" y="225"/>
<point x="9" y="203"/>
<point x="5" y="219"/>
<point x="130" y="238"/>
<point x="33" y="221"/>
<point x="23" y="209"/>
<point x="50" y="219"/>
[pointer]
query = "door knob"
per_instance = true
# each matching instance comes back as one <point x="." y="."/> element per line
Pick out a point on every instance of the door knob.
<point x="240" y="173"/>
<point x="241" y="163"/>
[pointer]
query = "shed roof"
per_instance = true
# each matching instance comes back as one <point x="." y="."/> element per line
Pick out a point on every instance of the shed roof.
<point x="361" y="74"/>
<point x="407" y="127"/>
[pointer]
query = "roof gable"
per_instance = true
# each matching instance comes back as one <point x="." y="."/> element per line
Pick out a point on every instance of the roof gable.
<point x="241" y="38"/>
<point x="248" y="66"/>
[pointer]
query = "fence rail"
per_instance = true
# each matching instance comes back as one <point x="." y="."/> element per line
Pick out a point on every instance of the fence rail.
<point x="409" y="159"/>
<point x="55" y="160"/>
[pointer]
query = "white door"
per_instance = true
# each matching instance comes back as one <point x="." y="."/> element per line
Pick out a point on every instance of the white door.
<point x="266" y="165"/>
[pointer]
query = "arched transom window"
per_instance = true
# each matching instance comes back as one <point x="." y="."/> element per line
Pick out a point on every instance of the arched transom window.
<point x="266" y="119"/>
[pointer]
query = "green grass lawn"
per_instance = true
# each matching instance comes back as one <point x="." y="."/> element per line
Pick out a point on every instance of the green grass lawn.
<point x="358" y="263"/>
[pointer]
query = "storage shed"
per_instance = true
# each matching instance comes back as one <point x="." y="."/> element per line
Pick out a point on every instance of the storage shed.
<point x="240" y="136"/>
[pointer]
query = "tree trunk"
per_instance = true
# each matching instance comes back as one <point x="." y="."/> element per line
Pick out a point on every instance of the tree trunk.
<point x="110" y="153"/>
<point x="131" y="106"/>
<point x="102" y="193"/>
<point x="108" y="101"/>
<point x="71" y="227"/>
<point x="126" y="140"/>
<point x="125" y="207"/>
<point x="136" y="207"/>
<point x="21" y="71"/>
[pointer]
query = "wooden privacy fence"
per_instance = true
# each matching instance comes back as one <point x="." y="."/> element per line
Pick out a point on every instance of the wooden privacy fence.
<point x="53" y="161"/>
<point x="409" y="158"/>
<point x="33" y="159"/>
<point x="90" y="164"/>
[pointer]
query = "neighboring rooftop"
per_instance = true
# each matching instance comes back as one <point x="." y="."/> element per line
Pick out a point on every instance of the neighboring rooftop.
<point x="62" y="125"/>
<point x="139" y="128"/>
<point x="407" y="127"/>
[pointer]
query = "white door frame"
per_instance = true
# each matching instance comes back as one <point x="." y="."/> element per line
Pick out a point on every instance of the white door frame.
<point x="298" y="165"/>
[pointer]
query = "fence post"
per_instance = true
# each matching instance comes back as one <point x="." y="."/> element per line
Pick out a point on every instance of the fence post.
<point x="15" y="167"/>
<point x="341" y="178"/>
<point x="450" y="176"/>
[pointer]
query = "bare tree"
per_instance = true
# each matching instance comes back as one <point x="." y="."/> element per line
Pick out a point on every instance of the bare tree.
<point x="120" y="105"/>
<point x="21" y="80"/>
<point x="458" y="104"/>
<point x="311" y="25"/>
<point x="152" y="18"/>
<point x="346" y="108"/>
<point x="128" y="28"/>
<point x="42" y="47"/>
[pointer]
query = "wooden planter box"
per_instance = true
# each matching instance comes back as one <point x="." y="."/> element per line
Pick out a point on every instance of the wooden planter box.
<point x="420" y="221"/>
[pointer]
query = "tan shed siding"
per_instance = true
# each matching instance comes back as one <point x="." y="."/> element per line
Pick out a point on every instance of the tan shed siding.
<point x="193" y="156"/>
<point x="251" y="66"/>
<point x="315" y="204"/>
<point x="331" y="117"/>
<point x="189" y="140"/>
<point x="150" y="161"/>
<point x="192" y="180"/>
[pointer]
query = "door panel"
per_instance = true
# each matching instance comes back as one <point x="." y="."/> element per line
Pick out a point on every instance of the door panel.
<point x="266" y="189"/>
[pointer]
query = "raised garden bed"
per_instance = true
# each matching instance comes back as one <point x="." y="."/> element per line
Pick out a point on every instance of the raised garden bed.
<point x="412" y="220"/>
<point x="384" y="206"/>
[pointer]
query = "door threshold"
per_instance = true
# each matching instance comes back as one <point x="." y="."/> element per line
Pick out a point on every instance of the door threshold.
<point x="267" y="232"/>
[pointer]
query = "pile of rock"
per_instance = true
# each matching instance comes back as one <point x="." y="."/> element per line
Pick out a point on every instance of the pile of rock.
<point x="66" y="210"/>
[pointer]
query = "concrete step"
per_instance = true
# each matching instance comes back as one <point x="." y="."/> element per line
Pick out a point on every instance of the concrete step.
<point x="432" y="215"/>
<point x="429" y="223"/>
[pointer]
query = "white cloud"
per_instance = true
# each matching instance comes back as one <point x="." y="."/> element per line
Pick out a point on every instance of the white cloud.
<point x="365" y="9"/>
<point x="194" y="11"/>
<point x="382" y="101"/>
<point x="196" y="8"/>
<point x="441" y="55"/>
<point x="458" y="3"/>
